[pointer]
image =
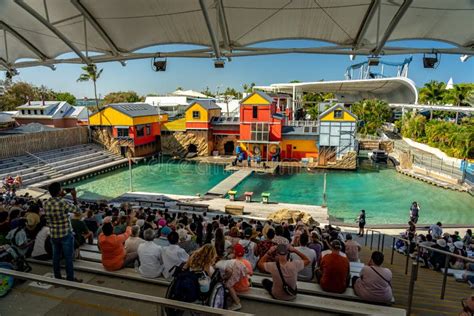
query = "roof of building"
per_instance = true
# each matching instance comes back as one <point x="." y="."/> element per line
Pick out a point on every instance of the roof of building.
<point x="337" y="106"/>
<point x="352" y="28"/>
<point x="189" y="93"/>
<point x="28" y="128"/>
<point x="207" y="104"/>
<point x="134" y="109"/>
<point x="260" y="93"/>
<point x="38" y="105"/>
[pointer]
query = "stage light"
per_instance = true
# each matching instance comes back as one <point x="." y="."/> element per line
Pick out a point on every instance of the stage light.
<point x="374" y="60"/>
<point x="430" y="61"/>
<point x="159" y="65"/>
<point x="219" y="63"/>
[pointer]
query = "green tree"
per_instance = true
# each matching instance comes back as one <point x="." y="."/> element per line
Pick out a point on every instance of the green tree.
<point x="122" y="97"/>
<point x="248" y="88"/>
<point x="91" y="73"/>
<point x="372" y="113"/>
<point x="208" y="92"/>
<point x="232" y="92"/>
<point x="459" y="94"/>
<point x="17" y="94"/>
<point x="434" y="92"/>
<point x="66" y="96"/>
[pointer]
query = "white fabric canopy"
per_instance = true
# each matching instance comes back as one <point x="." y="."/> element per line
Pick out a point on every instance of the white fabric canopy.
<point x="392" y="90"/>
<point x="42" y="30"/>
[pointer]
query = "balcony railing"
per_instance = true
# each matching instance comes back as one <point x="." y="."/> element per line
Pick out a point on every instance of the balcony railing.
<point x="302" y="123"/>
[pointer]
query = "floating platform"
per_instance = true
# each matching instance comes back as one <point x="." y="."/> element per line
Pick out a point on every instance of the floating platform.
<point x="230" y="182"/>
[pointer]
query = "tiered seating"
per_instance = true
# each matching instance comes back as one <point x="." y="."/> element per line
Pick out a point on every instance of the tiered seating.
<point x="34" y="168"/>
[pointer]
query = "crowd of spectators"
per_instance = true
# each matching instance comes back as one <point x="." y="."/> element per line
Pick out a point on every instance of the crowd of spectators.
<point x="154" y="241"/>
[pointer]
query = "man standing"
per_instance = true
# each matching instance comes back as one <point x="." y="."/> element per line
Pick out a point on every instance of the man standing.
<point x="284" y="272"/>
<point x="62" y="239"/>
<point x="436" y="230"/>
<point x="414" y="212"/>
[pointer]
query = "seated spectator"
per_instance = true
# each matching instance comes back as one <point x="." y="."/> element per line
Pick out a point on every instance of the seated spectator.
<point x="4" y="227"/>
<point x="92" y="225"/>
<point x="457" y="263"/>
<point x="132" y="243"/>
<point x="235" y="273"/>
<point x="202" y="260"/>
<point x="172" y="255"/>
<point x="437" y="260"/>
<point x="186" y="241"/>
<point x="249" y="247"/>
<point x="467" y="239"/>
<point x="163" y="239"/>
<point x="42" y="249"/>
<point x="150" y="256"/>
<point x="374" y="283"/>
<point x="279" y="239"/>
<point x="114" y="256"/>
<point x="221" y="244"/>
<point x="32" y="220"/>
<point x="267" y="243"/>
<point x="334" y="271"/>
<point x="307" y="273"/>
<point x="316" y="244"/>
<point x="352" y="249"/>
<point x="467" y="306"/>
<point x="121" y="225"/>
<point x="81" y="232"/>
<point x="282" y="288"/>
<point x="436" y="230"/>
<point x="19" y="239"/>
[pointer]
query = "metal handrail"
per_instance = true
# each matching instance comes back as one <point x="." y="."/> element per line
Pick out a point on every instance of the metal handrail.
<point x="123" y="294"/>
<point x="36" y="157"/>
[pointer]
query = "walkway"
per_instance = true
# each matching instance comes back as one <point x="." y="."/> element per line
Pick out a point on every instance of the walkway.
<point x="230" y="182"/>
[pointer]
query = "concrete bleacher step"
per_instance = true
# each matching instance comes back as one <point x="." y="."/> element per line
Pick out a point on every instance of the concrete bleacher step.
<point x="62" y="152"/>
<point x="72" y="156"/>
<point x="302" y="300"/>
<point x="79" y="167"/>
<point x="75" y="158"/>
<point x="35" y="179"/>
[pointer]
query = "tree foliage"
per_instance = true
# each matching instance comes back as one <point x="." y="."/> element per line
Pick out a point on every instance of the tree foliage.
<point x="122" y="97"/>
<point x="91" y="73"/>
<point x="18" y="94"/>
<point x="456" y="140"/>
<point x="372" y="113"/>
<point x="435" y="92"/>
<point x="208" y="92"/>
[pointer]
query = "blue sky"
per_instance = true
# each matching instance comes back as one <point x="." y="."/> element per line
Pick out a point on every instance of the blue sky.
<point x="196" y="74"/>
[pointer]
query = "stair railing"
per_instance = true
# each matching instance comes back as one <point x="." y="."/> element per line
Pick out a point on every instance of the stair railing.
<point x="38" y="159"/>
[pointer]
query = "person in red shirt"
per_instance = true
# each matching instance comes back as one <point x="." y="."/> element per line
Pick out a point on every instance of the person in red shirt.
<point x="114" y="256"/>
<point x="334" y="272"/>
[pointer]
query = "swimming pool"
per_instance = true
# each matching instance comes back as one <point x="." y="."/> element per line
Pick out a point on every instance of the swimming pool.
<point x="164" y="176"/>
<point x="385" y="195"/>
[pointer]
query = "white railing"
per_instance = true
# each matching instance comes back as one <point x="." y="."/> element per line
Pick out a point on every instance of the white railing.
<point x="302" y="123"/>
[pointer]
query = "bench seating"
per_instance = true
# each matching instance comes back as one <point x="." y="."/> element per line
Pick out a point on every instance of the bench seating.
<point x="234" y="209"/>
<point x="302" y="300"/>
<point x="193" y="206"/>
<point x="151" y="203"/>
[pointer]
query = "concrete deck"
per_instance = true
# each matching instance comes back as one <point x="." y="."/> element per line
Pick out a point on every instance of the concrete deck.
<point x="217" y="205"/>
<point x="230" y="182"/>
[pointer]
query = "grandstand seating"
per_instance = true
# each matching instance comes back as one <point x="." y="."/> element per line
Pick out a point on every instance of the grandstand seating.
<point x="42" y="166"/>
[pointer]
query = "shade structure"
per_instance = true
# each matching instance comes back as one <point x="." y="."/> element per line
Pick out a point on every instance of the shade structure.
<point x="42" y="31"/>
<point x="392" y="90"/>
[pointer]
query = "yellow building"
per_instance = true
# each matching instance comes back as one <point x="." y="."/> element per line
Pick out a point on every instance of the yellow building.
<point x="199" y="114"/>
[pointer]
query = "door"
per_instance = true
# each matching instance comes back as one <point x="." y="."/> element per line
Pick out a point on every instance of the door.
<point x="289" y="149"/>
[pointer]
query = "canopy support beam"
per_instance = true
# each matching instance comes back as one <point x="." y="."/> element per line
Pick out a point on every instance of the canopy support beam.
<point x="215" y="43"/>
<point x="392" y="25"/>
<point x="53" y="29"/>
<point x="20" y="37"/>
<point x="79" y="6"/>
<point x="223" y="24"/>
<point x="365" y="23"/>
<point x="5" y="64"/>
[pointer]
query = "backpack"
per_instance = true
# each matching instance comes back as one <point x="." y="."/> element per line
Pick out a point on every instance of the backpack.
<point x="184" y="288"/>
<point x="6" y="281"/>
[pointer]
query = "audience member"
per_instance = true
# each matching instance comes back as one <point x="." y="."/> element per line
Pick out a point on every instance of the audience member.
<point x="114" y="256"/>
<point x="334" y="272"/>
<point x="307" y="273"/>
<point x="352" y="249"/>
<point x="172" y="255"/>
<point x="132" y="243"/>
<point x="150" y="256"/>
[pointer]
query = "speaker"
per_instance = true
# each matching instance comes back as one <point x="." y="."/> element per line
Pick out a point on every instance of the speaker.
<point x="159" y="65"/>
<point x="219" y="64"/>
<point x="374" y="61"/>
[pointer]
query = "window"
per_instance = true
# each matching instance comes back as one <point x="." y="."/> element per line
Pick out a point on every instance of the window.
<point x="196" y="115"/>
<point x="122" y="132"/>
<point x="254" y="112"/>
<point x="35" y="112"/>
<point x="338" y="114"/>
<point x="140" y="131"/>
<point x="148" y="129"/>
<point x="23" y="111"/>
<point x="29" y="111"/>
<point x="260" y="131"/>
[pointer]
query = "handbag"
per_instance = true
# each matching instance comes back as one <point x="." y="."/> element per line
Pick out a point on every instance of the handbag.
<point x="288" y="289"/>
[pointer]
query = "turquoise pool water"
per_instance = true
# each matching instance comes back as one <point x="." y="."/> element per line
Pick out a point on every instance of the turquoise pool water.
<point x="385" y="195"/>
<point x="165" y="177"/>
<point x="380" y="190"/>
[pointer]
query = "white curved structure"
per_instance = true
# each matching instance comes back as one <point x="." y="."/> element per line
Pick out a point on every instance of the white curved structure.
<point x="391" y="90"/>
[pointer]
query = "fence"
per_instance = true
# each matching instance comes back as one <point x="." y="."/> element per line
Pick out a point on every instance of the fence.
<point x="162" y="302"/>
<point x="417" y="252"/>
<point x="16" y="145"/>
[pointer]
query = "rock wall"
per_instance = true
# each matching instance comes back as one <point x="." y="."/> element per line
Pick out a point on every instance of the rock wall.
<point x="104" y="137"/>
<point x="220" y="141"/>
<point x="347" y="162"/>
<point x="177" y="143"/>
<point x="387" y="145"/>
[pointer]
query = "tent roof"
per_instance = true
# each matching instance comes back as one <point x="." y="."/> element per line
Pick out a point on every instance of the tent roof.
<point x="42" y="30"/>
<point x="392" y="90"/>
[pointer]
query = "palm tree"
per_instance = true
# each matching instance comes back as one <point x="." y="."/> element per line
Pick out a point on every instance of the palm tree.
<point x="458" y="95"/>
<point x="91" y="74"/>
<point x="434" y="92"/>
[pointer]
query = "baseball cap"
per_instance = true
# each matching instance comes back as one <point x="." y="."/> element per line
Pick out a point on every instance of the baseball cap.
<point x="282" y="250"/>
<point x="239" y="250"/>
